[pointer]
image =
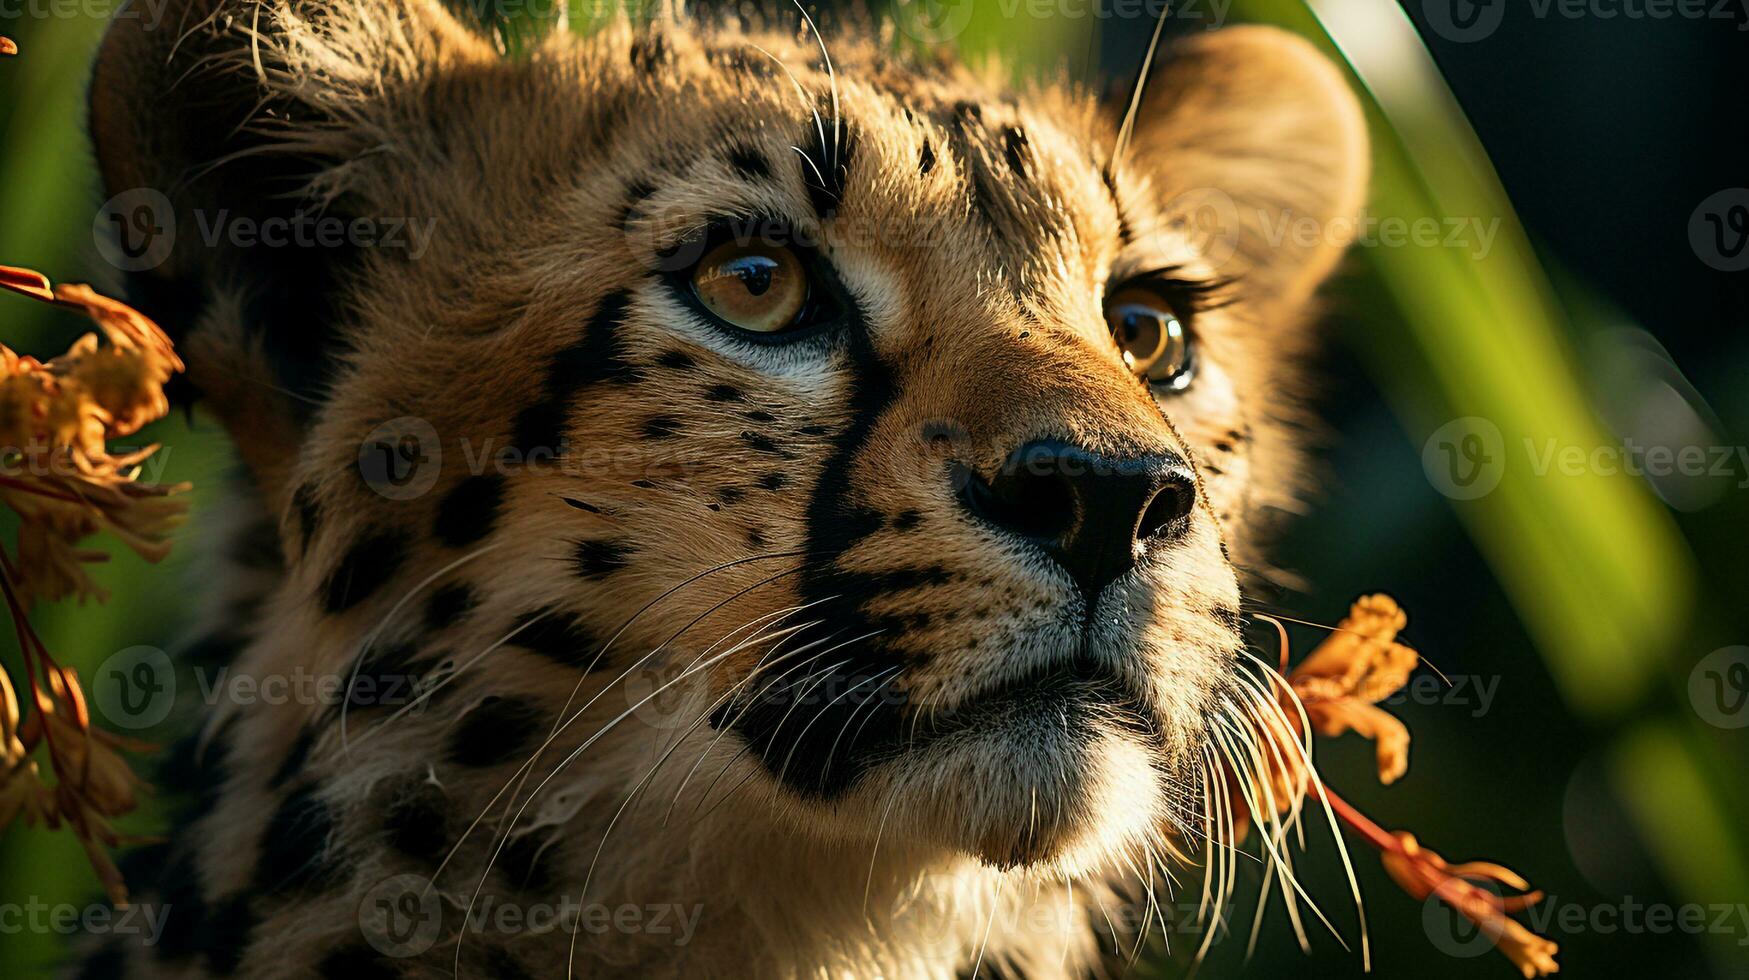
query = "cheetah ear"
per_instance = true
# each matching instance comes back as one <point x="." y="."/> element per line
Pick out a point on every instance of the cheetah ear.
<point x="215" y="121"/>
<point x="1252" y="141"/>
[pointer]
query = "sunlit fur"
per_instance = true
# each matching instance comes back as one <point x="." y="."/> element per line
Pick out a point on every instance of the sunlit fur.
<point x="695" y="541"/>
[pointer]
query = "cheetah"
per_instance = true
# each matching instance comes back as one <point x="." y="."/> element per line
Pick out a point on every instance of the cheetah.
<point x="789" y="517"/>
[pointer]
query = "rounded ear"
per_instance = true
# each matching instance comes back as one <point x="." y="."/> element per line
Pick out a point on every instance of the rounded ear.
<point x="1251" y="136"/>
<point x="219" y="122"/>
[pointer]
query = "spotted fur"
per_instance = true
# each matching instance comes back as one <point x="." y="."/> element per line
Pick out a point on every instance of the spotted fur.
<point x="685" y="619"/>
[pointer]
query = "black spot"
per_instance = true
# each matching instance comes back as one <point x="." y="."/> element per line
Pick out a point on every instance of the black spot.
<point x="558" y="636"/>
<point x="814" y="430"/>
<point x="749" y="163"/>
<point x="539" y="431"/>
<point x="294" y="760"/>
<point x="295" y="854"/>
<point x="309" y="515"/>
<point x="357" y="962"/>
<point x="1231" y="619"/>
<point x="580" y="505"/>
<point x="598" y="559"/>
<point x="370" y="562"/>
<point x="1014" y="148"/>
<point x="416" y="821"/>
<point x="760" y="417"/>
<point x="967" y="112"/>
<point x="499" y="730"/>
<point x="1223" y="446"/>
<point x="468" y="512"/>
<point x="644" y="484"/>
<point x="723" y="393"/>
<point x="180" y="890"/>
<point x="676" y="360"/>
<point x="827" y="152"/>
<point x="773" y="481"/>
<point x="907" y="520"/>
<point x="926" y="159"/>
<point x="755" y="540"/>
<point x="649" y="53"/>
<point x="760" y="442"/>
<point x="731" y="495"/>
<point x="448" y="605"/>
<point x="661" y="427"/>
<point x="527" y="862"/>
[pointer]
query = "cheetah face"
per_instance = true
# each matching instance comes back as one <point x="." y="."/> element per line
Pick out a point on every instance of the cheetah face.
<point x="916" y="431"/>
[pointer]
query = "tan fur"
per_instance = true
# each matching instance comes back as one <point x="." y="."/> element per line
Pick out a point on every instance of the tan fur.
<point x="981" y="291"/>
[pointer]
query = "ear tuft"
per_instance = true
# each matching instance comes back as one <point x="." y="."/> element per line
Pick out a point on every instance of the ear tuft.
<point x="1258" y="119"/>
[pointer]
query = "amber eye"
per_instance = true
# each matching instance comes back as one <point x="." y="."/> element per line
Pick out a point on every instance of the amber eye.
<point x="1150" y="336"/>
<point x="757" y="287"/>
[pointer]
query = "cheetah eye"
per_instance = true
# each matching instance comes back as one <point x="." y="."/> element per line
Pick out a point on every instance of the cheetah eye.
<point x="1150" y="336"/>
<point x="753" y="286"/>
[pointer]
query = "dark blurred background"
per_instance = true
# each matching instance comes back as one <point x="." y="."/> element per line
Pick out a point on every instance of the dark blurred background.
<point x="1592" y="739"/>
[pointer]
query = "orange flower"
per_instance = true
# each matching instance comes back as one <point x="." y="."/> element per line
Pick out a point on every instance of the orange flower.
<point x="1422" y="873"/>
<point x="1345" y="677"/>
<point x="7" y="47"/>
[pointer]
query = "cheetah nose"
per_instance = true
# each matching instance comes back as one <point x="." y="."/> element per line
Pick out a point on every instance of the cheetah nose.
<point x="1090" y="512"/>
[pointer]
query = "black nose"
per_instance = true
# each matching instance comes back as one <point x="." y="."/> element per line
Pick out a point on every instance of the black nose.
<point x="1088" y="511"/>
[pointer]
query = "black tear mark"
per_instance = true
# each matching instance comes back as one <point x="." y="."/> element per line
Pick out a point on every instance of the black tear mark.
<point x="469" y="511"/>
<point x="827" y="151"/>
<point x="498" y="730"/>
<point x="661" y="427"/>
<point x="926" y="159"/>
<point x="364" y="568"/>
<point x="557" y="636"/>
<point x="749" y="163"/>
<point x="723" y="393"/>
<point x="596" y="359"/>
<point x="1015" y="149"/>
<point x="773" y="481"/>
<point x="448" y="605"/>
<point x="295" y="852"/>
<point x="599" y="559"/>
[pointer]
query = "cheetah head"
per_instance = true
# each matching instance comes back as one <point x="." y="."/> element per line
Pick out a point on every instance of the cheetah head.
<point x="904" y="433"/>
